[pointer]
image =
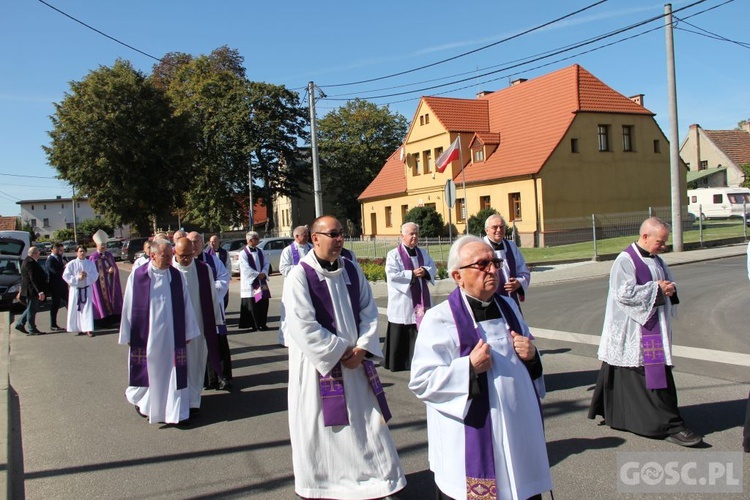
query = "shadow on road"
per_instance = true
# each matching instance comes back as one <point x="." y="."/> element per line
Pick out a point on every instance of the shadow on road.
<point x="570" y="380"/>
<point x="564" y="448"/>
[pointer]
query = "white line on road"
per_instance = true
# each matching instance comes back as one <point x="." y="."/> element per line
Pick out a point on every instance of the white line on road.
<point x="729" y="358"/>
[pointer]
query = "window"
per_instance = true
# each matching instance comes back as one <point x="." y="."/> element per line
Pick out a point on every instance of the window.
<point x="657" y="146"/>
<point x="68" y="225"/>
<point x="717" y="198"/>
<point x="431" y="205"/>
<point x="404" y="211"/>
<point x="426" y="118"/>
<point x="574" y="145"/>
<point x="45" y="223"/>
<point x="693" y="199"/>
<point x="627" y="138"/>
<point x="603" y="133"/>
<point x="388" y="218"/>
<point x="62" y="205"/>
<point x="479" y="155"/>
<point x="438" y="152"/>
<point x="421" y="120"/>
<point x="427" y="158"/>
<point x="415" y="164"/>
<point x="32" y="207"/>
<point x="44" y="207"/>
<point x="460" y="210"/>
<point x="33" y="223"/>
<point x="514" y="206"/>
<point x="484" y="202"/>
<point x="704" y="165"/>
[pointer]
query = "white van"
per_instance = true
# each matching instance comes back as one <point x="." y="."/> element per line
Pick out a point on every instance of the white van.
<point x="19" y="235"/>
<point x="718" y="202"/>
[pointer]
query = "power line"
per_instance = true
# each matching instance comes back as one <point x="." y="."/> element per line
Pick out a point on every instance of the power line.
<point x="31" y="176"/>
<point x="517" y="35"/>
<point x="100" y="32"/>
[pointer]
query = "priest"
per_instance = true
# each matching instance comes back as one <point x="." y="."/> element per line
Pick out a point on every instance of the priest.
<point x="199" y="279"/>
<point x="341" y="445"/>
<point x="292" y="254"/>
<point x="254" y="291"/>
<point x="157" y="323"/>
<point x="80" y="274"/>
<point x="478" y="372"/>
<point x="107" y="290"/>
<point x="514" y="275"/>
<point x="635" y="390"/>
<point x="408" y="269"/>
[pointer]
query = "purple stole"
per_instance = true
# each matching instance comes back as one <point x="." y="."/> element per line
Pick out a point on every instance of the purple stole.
<point x="295" y="253"/>
<point x="652" y="344"/>
<point x="207" y="311"/>
<point x="263" y="292"/>
<point x="108" y="285"/>
<point x="222" y="255"/>
<point x="420" y="295"/>
<point x="511" y="258"/>
<point x="139" y="328"/>
<point x="333" y="398"/>
<point x="221" y="329"/>
<point x="347" y="254"/>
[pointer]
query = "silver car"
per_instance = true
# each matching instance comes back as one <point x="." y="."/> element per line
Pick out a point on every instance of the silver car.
<point x="272" y="248"/>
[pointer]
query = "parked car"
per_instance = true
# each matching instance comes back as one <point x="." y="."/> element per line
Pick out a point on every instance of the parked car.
<point x="11" y="250"/>
<point x="272" y="248"/>
<point x="131" y="247"/>
<point x="69" y="246"/>
<point x="114" y="246"/>
<point x="45" y="247"/>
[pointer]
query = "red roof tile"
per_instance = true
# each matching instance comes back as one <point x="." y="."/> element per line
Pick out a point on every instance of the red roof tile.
<point x="487" y="138"/>
<point x="391" y="179"/>
<point x="459" y="115"/>
<point x="733" y="143"/>
<point x="8" y="223"/>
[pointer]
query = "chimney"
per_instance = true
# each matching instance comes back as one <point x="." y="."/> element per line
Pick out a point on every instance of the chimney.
<point x="58" y="197"/>
<point x="638" y="99"/>
<point x="483" y="93"/>
<point x="517" y="81"/>
<point x="746" y="126"/>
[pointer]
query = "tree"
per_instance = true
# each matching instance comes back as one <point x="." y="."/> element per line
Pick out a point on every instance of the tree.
<point x="239" y="124"/>
<point x="87" y="228"/>
<point x="746" y="173"/>
<point x="741" y="125"/>
<point x="476" y="221"/>
<point x="354" y="143"/>
<point x="29" y="229"/>
<point x="61" y="235"/>
<point x="115" y="139"/>
<point x="430" y="222"/>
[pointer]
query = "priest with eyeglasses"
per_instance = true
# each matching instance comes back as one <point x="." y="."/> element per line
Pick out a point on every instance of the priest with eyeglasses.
<point x="480" y="376"/>
<point x="514" y="274"/>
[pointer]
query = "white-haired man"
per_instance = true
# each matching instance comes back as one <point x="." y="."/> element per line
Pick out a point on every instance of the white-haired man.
<point x="408" y="269"/>
<point x="254" y="290"/>
<point x="292" y="254"/>
<point x="477" y="370"/>
<point x="158" y="322"/>
<point x="635" y="390"/>
<point x="514" y="275"/>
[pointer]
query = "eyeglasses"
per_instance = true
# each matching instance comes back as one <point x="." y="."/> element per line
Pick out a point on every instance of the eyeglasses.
<point x="334" y="234"/>
<point x="495" y="228"/>
<point x="484" y="264"/>
<point x="183" y="256"/>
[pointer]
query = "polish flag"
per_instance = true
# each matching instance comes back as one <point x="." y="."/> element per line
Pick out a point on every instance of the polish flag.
<point x="448" y="155"/>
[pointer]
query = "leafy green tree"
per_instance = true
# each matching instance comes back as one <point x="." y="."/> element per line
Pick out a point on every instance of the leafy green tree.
<point x="87" y="228"/>
<point x="62" y="235"/>
<point x="476" y="221"/>
<point x="428" y="219"/>
<point x="115" y="139"/>
<point x="354" y="143"/>
<point x="29" y="229"/>
<point x="746" y="172"/>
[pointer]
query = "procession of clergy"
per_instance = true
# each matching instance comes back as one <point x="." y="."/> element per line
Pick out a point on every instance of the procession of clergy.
<point x="472" y="357"/>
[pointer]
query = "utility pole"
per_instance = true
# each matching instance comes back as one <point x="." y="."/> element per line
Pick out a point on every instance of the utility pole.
<point x="317" y="190"/>
<point x="674" y="135"/>
<point x="250" y="194"/>
<point x="75" y="230"/>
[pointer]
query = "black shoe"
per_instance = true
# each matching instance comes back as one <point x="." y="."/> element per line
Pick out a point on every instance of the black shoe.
<point x="224" y="385"/>
<point x="36" y="332"/>
<point x="263" y="328"/>
<point x="21" y="329"/>
<point x="56" y="328"/>
<point x="685" y="438"/>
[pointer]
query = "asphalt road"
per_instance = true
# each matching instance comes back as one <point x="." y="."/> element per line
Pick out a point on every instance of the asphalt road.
<point x="80" y="439"/>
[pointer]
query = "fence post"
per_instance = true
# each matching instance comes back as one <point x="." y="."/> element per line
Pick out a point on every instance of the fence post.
<point x="650" y="212"/>
<point x="440" y="243"/>
<point x="593" y="229"/>
<point x="700" y="224"/>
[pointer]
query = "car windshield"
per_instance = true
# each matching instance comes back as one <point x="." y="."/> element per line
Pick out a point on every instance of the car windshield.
<point x="114" y="244"/>
<point x="11" y="246"/>
<point x="10" y="266"/>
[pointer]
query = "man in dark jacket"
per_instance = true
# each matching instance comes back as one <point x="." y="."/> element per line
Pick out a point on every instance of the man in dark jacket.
<point x="58" y="288"/>
<point x="33" y="286"/>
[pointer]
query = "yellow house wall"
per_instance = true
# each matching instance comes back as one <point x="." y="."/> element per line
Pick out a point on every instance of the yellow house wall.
<point x="590" y="181"/>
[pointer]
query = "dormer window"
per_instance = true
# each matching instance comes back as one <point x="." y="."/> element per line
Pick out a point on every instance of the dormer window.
<point x="478" y="155"/>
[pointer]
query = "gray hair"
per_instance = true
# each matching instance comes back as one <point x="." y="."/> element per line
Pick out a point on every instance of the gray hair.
<point x="299" y="230"/>
<point x="408" y="224"/>
<point x="195" y="235"/>
<point x="653" y="224"/>
<point x="31" y="251"/>
<point x="454" y="256"/>
<point x="494" y="216"/>
<point x="157" y="243"/>
<point x="250" y="235"/>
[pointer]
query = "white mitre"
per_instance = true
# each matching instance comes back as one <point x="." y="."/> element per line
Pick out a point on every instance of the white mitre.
<point x="100" y="237"/>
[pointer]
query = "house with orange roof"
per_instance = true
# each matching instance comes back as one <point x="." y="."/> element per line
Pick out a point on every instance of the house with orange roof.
<point x="715" y="157"/>
<point x="559" y="146"/>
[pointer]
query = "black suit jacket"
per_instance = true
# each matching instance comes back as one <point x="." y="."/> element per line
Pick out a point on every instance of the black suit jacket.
<point x="55" y="266"/>
<point x="33" y="278"/>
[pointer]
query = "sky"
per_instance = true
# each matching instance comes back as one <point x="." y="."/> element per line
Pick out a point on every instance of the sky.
<point x="334" y="43"/>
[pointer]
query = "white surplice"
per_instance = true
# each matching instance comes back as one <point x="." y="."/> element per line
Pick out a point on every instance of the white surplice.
<point x="629" y="306"/>
<point x="80" y="321"/>
<point x="400" y="306"/>
<point x="162" y="401"/>
<point x="248" y="273"/>
<point x="440" y="377"/>
<point x="197" y="350"/>
<point x="356" y="461"/>
<point x="286" y="261"/>
<point x="523" y="275"/>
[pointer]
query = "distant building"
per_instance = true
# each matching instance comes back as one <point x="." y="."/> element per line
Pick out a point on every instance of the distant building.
<point x="48" y="215"/>
<point x="9" y="223"/>
<point x="563" y="145"/>
<point x="715" y="157"/>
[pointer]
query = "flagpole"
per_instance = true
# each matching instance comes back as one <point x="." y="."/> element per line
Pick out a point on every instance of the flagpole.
<point x="463" y="180"/>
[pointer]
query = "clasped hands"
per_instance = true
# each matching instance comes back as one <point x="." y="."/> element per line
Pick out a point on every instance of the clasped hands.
<point x="353" y="357"/>
<point x="481" y="358"/>
<point x="667" y="287"/>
